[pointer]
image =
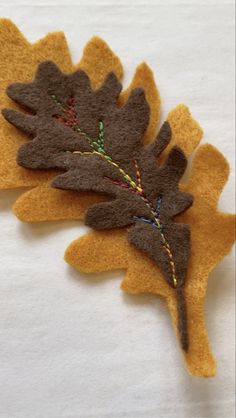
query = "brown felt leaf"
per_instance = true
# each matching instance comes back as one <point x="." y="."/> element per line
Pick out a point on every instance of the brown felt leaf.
<point x="100" y="146"/>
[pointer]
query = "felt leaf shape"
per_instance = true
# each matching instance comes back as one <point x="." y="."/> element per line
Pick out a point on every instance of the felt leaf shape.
<point x="212" y="236"/>
<point x="100" y="146"/>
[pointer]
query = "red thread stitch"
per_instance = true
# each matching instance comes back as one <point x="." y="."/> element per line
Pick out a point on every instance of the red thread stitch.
<point x="70" y="117"/>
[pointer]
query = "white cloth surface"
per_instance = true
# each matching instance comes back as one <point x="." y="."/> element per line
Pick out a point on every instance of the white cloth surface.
<point x="73" y="345"/>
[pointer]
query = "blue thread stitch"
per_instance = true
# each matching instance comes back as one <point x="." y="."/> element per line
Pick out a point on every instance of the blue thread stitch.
<point x="147" y="221"/>
<point x="158" y="206"/>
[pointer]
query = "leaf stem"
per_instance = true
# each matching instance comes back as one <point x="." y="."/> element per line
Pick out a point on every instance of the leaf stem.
<point x="182" y="318"/>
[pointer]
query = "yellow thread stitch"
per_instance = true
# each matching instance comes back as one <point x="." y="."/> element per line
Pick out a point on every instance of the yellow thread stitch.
<point x="138" y="174"/>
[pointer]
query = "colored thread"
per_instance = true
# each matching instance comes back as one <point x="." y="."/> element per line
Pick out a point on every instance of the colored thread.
<point x="157" y="223"/>
<point x="158" y="206"/>
<point x="145" y="220"/>
<point x="70" y="118"/>
<point x="101" y="134"/>
<point x="138" y="175"/>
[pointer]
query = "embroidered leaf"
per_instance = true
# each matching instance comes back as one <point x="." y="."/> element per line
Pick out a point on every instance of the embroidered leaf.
<point x="99" y="146"/>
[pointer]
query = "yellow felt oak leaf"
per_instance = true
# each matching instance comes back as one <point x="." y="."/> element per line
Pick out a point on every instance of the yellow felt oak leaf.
<point x="19" y="60"/>
<point x="212" y="236"/>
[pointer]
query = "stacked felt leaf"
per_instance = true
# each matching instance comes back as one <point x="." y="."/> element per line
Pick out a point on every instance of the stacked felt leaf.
<point x="212" y="232"/>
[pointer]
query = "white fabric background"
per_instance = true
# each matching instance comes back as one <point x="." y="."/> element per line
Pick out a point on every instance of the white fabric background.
<point x="75" y="346"/>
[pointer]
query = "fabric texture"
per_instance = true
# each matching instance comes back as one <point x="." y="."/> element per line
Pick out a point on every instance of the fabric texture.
<point x="72" y="344"/>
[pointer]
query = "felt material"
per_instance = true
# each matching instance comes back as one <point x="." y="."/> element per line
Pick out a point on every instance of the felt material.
<point x="212" y="236"/>
<point x="45" y="203"/>
<point x="144" y="78"/>
<point x="185" y="130"/>
<point x="18" y="62"/>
